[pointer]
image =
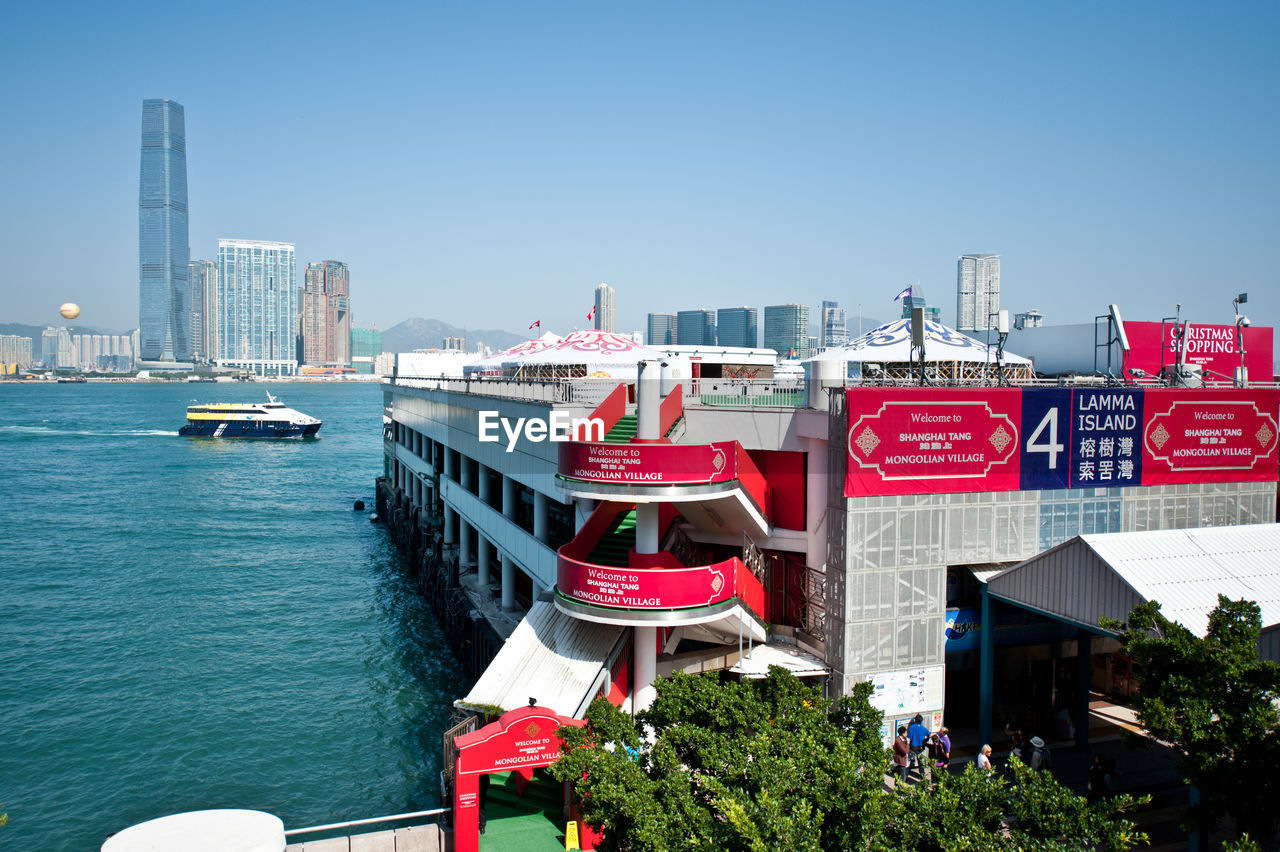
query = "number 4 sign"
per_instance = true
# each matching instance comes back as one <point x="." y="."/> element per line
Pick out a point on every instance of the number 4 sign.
<point x="1046" y="452"/>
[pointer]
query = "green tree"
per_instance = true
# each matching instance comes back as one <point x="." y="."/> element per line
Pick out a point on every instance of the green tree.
<point x="1215" y="702"/>
<point x="770" y="764"/>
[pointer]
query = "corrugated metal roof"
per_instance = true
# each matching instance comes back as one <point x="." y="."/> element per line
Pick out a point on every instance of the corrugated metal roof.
<point x="1107" y="574"/>
<point x="1186" y="570"/>
<point x="550" y="657"/>
<point x="799" y="663"/>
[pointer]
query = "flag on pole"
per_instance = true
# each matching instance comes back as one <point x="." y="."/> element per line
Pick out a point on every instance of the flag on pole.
<point x="906" y="293"/>
<point x="591" y="313"/>
<point x="535" y="324"/>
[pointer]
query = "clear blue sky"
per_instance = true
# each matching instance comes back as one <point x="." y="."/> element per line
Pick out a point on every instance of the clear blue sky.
<point x="489" y="163"/>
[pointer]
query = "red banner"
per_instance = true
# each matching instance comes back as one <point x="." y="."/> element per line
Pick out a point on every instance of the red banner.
<point x="656" y="464"/>
<point x="630" y="588"/>
<point x="1212" y="347"/>
<point x="1202" y="436"/>
<point x="932" y="440"/>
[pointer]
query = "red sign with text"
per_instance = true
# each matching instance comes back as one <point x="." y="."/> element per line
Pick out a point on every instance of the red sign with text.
<point x="631" y="588"/>
<point x="1204" y="436"/>
<point x="932" y="440"/>
<point x="948" y="440"/>
<point x="652" y="464"/>
<point x="1212" y="347"/>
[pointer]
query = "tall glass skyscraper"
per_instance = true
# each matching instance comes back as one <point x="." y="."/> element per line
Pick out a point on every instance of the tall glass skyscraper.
<point x="164" y="288"/>
<point x="696" y="328"/>
<point x="977" y="291"/>
<point x="786" y="330"/>
<point x="737" y="327"/>
<point x="662" y="330"/>
<point x="257" y="305"/>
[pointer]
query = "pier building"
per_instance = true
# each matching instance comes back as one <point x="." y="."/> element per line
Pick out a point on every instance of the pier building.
<point x="946" y="543"/>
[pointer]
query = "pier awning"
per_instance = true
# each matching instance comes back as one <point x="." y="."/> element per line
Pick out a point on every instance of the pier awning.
<point x="559" y="661"/>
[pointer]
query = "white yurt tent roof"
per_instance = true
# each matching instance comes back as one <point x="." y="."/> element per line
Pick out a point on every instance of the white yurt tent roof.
<point x="492" y="364"/>
<point x="891" y="344"/>
<point x="590" y="354"/>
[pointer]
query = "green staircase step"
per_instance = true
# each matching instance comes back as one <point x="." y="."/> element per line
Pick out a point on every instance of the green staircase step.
<point x="623" y="431"/>
<point x="618" y="541"/>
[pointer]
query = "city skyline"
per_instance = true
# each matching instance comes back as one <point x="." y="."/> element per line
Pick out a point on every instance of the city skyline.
<point x="822" y="175"/>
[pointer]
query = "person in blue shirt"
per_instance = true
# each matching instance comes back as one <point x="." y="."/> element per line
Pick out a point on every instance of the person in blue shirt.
<point x="917" y="736"/>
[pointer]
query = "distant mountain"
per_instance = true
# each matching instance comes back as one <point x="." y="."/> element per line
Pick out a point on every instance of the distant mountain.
<point x="430" y="334"/>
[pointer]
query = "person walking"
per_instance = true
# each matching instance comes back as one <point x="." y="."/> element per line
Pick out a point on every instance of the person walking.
<point x="984" y="758"/>
<point x="943" y="738"/>
<point x="917" y="738"/>
<point x="1040" y="757"/>
<point x="901" y="754"/>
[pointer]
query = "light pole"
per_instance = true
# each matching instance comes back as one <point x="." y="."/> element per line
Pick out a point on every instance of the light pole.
<point x="1242" y="322"/>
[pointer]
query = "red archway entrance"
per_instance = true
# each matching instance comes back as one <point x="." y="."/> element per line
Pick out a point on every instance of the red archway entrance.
<point x="521" y="740"/>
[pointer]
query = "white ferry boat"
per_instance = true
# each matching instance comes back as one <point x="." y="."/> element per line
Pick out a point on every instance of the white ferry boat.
<point x="270" y="419"/>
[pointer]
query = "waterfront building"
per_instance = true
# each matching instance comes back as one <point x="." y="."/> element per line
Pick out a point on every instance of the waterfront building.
<point x="696" y="328"/>
<point x="204" y="308"/>
<point x="738" y="327"/>
<point x="786" y="330"/>
<point x="366" y="344"/>
<point x="604" y="309"/>
<point x="662" y="330"/>
<point x="1028" y="319"/>
<point x="832" y="328"/>
<point x="56" y="351"/>
<point x="820" y="530"/>
<point x="15" y="353"/>
<point x="257" y="302"/>
<point x="164" y="289"/>
<point x="977" y="291"/>
<point x="326" y="314"/>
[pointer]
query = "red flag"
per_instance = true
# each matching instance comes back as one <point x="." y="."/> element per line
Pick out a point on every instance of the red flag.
<point x="535" y="324"/>
<point x="591" y="313"/>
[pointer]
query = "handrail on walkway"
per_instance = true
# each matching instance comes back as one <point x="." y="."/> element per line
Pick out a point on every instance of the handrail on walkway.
<point x="336" y="825"/>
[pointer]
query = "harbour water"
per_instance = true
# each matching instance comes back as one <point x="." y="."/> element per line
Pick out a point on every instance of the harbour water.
<point x="195" y="623"/>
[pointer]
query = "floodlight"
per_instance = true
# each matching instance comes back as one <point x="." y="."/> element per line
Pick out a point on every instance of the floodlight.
<point x="1119" y="324"/>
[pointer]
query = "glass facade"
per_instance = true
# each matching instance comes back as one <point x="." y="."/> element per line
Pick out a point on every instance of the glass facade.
<point x="696" y="328"/>
<point x="257" y="306"/>
<point x="662" y="330"/>
<point x="164" y="289"/>
<point x="786" y="330"/>
<point x="738" y="327"/>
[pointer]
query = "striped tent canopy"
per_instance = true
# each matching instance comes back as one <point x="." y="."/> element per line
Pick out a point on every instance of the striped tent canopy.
<point x="951" y="354"/>
<point x="491" y="365"/>
<point x="582" y="355"/>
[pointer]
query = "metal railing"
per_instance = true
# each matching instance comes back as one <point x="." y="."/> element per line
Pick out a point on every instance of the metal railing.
<point x="334" y="826"/>
<point x="590" y="392"/>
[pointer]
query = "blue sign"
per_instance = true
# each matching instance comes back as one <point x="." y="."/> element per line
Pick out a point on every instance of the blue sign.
<point x="1106" y="438"/>
<point x="1045" y="460"/>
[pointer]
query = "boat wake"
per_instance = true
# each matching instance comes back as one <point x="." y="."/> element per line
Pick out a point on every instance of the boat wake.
<point x="42" y="431"/>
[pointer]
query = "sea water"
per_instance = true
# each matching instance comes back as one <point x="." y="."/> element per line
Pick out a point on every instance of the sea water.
<point x="190" y="623"/>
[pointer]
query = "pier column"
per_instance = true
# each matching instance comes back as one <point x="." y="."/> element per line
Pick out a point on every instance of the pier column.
<point x="464" y="543"/>
<point x="450" y="470"/>
<point x="450" y="517"/>
<point x="508" y="497"/>
<point x="508" y="584"/>
<point x="464" y="471"/>
<point x="645" y="646"/>
<point x="482" y="559"/>
<point x="540" y="516"/>
<point x="482" y="483"/>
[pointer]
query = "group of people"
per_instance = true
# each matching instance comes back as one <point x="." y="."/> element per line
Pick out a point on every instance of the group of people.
<point x="1040" y="758"/>
<point x="916" y="747"/>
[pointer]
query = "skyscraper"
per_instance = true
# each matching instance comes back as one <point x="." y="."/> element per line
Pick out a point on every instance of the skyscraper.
<point x="164" y="290"/>
<point x="917" y="299"/>
<point x="786" y="330"/>
<point x="257" y="305"/>
<point x="604" y="308"/>
<point x="738" y="327"/>
<point x="204" y="308"/>
<point x="696" y="328"/>
<point x="662" y="330"/>
<point x="832" y="330"/>
<point x="977" y="291"/>
<point x="326" y="314"/>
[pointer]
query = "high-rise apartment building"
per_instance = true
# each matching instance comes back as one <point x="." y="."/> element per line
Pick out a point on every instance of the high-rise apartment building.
<point x="15" y="352"/>
<point x="786" y="330"/>
<point x="977" y="291"/>
<point x="832" y="327"/>
<point x="738" y="327"/>
<point x="696" y="328"/>
<point x="257" y="302"/>
<point x="917" y="299"/>
<point x="326" y="315"/>
<point x="604" y="313"/>
<point x="203" y="275"/>
<point x="164" y="290"/>
<point x="662" y="330"/>
<point x="55" y="348"/>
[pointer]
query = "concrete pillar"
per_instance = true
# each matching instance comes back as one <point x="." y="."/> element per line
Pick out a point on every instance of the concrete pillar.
<point x="464" y="471"/>
<point x="540" y="516"/>
<point x="508" y="584"/>
<point x="508" y="497"/>
<point x="986" y="666"/>
<point x="1084" y="669"/>
<point x="815" y="502"/>
<point x="450" y="516"/>
<point x="482" y="484"/>
<point x="482" y="559"/>
<point x="450" y="470"/>
<point x="646" y="667"/>
<point x="464" y="543"/>
<point x="648" y="400"/>
<point x="647" y="528"/>
<point x="582" y="509"/>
